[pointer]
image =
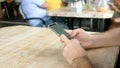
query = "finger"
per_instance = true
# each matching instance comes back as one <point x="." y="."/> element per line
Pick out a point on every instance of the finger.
<point x="75" y="41"/>
<point x="69" y="31"/>
<point x="64" y="39"/>
<point x="77" y="32"/>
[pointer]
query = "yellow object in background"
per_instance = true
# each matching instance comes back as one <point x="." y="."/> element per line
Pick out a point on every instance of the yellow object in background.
<point x="53" y="4"/>
<point x="101" y="9"/>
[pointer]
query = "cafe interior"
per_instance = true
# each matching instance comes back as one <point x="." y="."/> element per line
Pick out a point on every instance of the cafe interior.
<point x="91" y="15"/>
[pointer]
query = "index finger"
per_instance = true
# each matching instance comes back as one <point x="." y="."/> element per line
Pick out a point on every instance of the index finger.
<point x="69" y="31"/>
<point x="64" y="39"/>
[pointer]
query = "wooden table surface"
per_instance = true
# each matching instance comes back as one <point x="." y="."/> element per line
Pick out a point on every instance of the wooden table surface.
<point x="33" y="47"/>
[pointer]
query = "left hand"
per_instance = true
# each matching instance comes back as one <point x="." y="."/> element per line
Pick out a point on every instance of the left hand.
<point x="72" y="49"/>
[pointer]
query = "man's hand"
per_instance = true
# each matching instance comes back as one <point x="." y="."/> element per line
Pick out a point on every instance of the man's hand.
<point x="84" y="38"/>
<point x="115" y="8"/>
<point x="72" y="49"/>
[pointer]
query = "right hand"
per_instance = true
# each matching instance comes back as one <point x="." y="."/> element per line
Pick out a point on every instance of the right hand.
<point x="84" y="38"/>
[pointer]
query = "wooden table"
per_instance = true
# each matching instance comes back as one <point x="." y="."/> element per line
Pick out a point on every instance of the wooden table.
<point x="33" y="47"/>
<point x="66" y="12"/>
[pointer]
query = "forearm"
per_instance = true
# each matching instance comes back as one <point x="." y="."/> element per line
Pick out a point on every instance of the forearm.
<point x="115" y="8"/>
<point x="82" y="63"/>
<point x="109" y="38"/>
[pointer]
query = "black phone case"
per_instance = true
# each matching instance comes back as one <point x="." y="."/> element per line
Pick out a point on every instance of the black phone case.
<point x="59" y="30"/>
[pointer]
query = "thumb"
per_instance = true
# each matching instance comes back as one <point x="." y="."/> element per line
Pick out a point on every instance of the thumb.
<point x="64" y="39"/>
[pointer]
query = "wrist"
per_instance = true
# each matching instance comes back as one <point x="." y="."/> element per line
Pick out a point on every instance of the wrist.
<point x="90" y="42"/>
<point x="78" y="59"/>
<point x="79" y="54"/>
<point x="83" y="56"/>
<point x="93" y="41"/>
<point x="82" y="62"/>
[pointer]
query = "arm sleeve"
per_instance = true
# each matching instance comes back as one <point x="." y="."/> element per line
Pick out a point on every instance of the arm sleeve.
<point x="38" y="2"/>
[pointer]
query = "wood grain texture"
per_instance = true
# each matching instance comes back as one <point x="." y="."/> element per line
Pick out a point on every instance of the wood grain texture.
<point x="33" y="47"/>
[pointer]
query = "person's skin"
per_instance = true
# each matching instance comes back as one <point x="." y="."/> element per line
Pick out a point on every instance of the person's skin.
<point x="115" y="8"/>
<point x="115" y="23"/>
<point x="108" y="38"/>
<point x="44" y="5"/>
<point x="117" y="3"/>
<point x="75" y="53"/>
<point x="117" y="20"/>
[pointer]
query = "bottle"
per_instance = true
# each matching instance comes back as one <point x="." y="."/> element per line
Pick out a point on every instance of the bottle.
<point x="83" y="5"/>
<point x="88" y="5"/>
<point x="76" y="6"/>
<point x="79" y="6"/>
<point x="102" y="6"/>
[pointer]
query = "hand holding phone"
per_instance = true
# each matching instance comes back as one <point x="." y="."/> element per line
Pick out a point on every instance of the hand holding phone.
<point x="59" y="30"/>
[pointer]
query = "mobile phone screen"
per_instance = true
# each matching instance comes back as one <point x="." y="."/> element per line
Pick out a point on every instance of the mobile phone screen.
<point x="59" y="30"/>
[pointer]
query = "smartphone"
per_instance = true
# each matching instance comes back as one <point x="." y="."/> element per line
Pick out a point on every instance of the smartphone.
<point x="59" y="30"/>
